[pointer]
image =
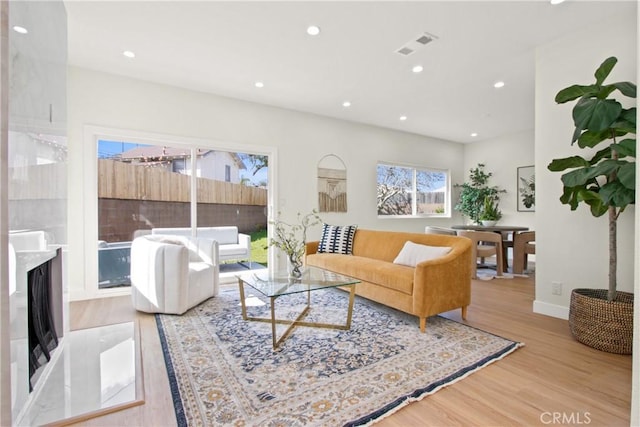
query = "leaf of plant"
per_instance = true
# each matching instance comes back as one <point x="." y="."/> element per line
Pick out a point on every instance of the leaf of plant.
<point x="576" y="134"/>
<point x="627" y="175"/>
<point x="558" y="165"/>
<point x="596" y="114"/>
<point x="569" y="197"/>
<point x="626" y="147"/>
<point x="582" y="177"/>
<point x="629" y="115"/>
<point x="605" y="153"/>
<point x="591" y="139"/>
<point x="605" y="91"/>
<point x="604" y="69"/>
<point x="615" y="194"/>
<point x="623" y="127"/>
<point x="594" y="201"/>
<point x="606" y="167"/>
<point x="627" y="88"/>
<point x="576" y="91"/>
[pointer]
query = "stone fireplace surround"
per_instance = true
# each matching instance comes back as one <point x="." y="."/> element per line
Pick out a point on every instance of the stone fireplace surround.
<point x="27" y="251"/>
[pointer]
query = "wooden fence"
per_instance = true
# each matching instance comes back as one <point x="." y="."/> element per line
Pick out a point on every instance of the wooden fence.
<point x="118" y="180"/>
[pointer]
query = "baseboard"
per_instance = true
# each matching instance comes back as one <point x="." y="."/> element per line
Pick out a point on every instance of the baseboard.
<point x="553" y="310"/>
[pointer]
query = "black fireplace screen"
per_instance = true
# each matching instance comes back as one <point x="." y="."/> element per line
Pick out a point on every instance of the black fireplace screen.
<point x="42" y="333"/>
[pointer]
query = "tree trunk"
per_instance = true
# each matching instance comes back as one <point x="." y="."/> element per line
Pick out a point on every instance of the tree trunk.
<point x="613" y="253"/>
<point x="613" y="236"/>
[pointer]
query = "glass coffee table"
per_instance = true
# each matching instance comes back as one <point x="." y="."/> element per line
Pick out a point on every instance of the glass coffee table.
<point x="277" y="285"/>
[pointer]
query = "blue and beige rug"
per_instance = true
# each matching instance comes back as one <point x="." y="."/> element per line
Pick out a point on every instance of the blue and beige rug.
<point x="224" y="371"/>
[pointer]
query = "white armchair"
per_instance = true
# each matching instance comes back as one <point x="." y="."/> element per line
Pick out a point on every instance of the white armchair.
<point x="171" y="274"/>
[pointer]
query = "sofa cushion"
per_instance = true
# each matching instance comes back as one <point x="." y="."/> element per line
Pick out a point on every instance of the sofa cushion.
<point x="414" y="253"/>
<point x="386" y="274"/>
<point x="337" y="239"/>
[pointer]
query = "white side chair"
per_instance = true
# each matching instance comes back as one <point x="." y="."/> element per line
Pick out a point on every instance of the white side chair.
<point x="171" y="274"/>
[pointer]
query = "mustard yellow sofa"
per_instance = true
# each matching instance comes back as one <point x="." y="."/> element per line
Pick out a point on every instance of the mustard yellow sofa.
<point x="433" y="286"/>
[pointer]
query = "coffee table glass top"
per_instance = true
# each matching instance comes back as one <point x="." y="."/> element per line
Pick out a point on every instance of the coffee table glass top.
<point x="277" y="284"/>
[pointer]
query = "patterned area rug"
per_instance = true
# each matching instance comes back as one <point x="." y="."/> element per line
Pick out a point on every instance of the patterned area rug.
<point x="224" y="371"/>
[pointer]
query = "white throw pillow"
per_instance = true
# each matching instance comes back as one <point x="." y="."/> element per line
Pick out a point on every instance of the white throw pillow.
<point x="414" y="253"/>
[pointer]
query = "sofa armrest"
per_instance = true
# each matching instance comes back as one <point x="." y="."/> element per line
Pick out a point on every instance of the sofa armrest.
<point x="443" y="283"/>
<point x="245" y="240"/>
<point x="204" y="249"/>
<point x="311" y="248"/>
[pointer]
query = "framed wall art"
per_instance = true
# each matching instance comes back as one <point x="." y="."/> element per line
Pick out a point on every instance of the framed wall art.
<point x="526" y="189"/>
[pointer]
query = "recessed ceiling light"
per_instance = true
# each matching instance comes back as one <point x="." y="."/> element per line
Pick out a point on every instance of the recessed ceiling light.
<point x="313" y="30"/>
<point x="346" y="104"/>
<point x="555" y="2"/>
<point x="417" y="69"/>
<point x="498" y="85"/>
<point x="259" y="84"/>
<point x="474" y="134"/>
<point x="403" y="118"/>
<point x="19" y="29"/>
<point x="129" y="54"/>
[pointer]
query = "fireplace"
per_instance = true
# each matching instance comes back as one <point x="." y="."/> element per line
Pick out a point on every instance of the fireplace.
<point x="37" y="316"/>
<point x="42" y="335"/>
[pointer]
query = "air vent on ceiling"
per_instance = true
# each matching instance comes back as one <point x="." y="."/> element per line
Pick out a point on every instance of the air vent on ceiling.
<point x="424" y="39"/>
<point x="405" y="51"/>
<point x="418" y="42"/>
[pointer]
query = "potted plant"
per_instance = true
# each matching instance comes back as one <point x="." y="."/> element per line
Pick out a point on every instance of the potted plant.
<point x="291" y="239"/>
<point x="473" y="193"/>
<point x="605" y="181"/>
<point x="490" y="213"/>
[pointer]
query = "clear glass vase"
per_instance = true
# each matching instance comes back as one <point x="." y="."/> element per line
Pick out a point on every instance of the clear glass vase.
<point x="295" y="267"/>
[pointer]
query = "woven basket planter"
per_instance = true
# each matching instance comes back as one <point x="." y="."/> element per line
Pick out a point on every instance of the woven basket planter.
<point x="598" y="323"/>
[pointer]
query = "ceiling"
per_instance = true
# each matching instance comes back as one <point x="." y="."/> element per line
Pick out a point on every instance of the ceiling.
<point x="225" y="47"/>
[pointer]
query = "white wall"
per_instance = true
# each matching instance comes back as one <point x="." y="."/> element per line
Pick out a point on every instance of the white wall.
<point x="301" y="140"/>
<point x="502" y="156"/>
<point x="572" y="247"/>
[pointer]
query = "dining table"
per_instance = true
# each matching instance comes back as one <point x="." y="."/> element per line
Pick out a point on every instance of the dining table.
<point x="502" y="229"/>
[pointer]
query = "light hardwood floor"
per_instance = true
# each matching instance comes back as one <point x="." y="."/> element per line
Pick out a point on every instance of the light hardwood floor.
<point x="553" y="380"/>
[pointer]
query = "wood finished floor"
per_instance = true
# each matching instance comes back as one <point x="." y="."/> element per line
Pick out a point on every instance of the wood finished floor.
<point x="552" y="376"/>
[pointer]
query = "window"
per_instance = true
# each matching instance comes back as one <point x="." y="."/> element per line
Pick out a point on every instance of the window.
<point x="227" y="173"/>
<point x="412" y="191"/>
<point x="178" y="166"/>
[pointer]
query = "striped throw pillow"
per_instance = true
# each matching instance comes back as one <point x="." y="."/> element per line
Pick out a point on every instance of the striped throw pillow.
<point x="337" y="239"/>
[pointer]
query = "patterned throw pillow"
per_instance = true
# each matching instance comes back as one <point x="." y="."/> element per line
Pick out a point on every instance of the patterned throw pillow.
<point x="337" y="239"/>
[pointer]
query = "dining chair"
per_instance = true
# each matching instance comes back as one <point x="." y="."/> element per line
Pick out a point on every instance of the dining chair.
<point x="485" y="244"/>
<point x="507" y="242"/>
<point x="439" y="230"/>
<point x="524" y="243"/>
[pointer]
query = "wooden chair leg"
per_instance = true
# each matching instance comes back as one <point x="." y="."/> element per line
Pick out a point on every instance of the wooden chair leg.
<point x="499" y="264"/>
<point x="464" y="312"/>
<point x="518" y="263"/>
<point x="423" y="324"/>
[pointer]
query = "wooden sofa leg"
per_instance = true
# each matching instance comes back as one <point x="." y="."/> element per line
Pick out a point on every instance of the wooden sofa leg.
<point x="464" y="312"/>
<point x="423" y="324"/>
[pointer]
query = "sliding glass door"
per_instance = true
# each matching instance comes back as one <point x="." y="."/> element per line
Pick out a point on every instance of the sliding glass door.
<point x="146" y="187"/>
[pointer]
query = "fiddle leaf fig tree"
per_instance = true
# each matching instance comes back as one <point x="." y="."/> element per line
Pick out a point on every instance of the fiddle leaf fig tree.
<point x="605" y="181"/>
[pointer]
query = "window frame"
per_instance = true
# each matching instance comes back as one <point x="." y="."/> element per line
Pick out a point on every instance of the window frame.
<point x="414" y="190"/>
